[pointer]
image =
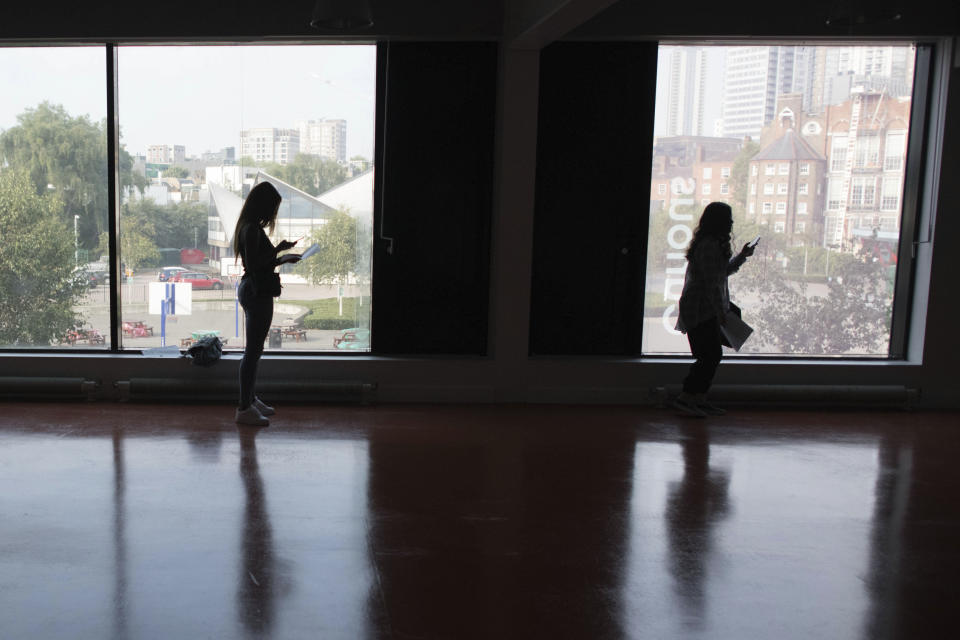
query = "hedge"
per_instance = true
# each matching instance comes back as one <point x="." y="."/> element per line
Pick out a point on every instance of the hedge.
<point x="324" y="313"/>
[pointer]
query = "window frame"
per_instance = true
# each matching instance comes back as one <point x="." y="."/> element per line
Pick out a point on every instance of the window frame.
<point x="933" y="61"/>
<point x="111" y="50"/>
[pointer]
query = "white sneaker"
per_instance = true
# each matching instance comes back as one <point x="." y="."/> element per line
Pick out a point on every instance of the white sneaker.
<point x="263" y="408"/>
<point x="251" y="416"/>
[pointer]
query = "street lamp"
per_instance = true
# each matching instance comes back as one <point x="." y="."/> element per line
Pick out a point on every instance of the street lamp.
<point x="76" y="245"/>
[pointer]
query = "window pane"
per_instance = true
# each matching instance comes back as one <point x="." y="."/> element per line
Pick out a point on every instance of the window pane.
<point x="53" y="198"/>
<point x="828" y="252"/>
<point x="203" y="125"/>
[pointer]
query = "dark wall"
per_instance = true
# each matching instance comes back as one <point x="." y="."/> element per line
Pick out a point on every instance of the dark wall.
<point x="751" y="19"/>
<point x="433" y="206"/>
<point x="418" y="19"/>
<point x="595" y="122"/>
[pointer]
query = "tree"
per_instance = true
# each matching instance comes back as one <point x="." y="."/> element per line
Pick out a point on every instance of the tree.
<point x="853" y="317"/>
<point x="337" y="257"/>
<point x="137" y="248"/>
<point x="174" y="225"/>
<point x="66" y="155"/>
<point x="311" y="174"/>
<point x="38" y="287"/>
<point x="739" y="174"/>
<point x="174" y="171"/>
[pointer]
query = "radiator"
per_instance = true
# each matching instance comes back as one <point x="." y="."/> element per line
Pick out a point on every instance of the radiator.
<point x="282" y="390"/>
<point x="47" y="388"/>
<point x="805" y="396"/>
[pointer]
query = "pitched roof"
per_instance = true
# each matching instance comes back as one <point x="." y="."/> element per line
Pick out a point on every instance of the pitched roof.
<point x="228" y="206"/>
<point x="790" y="146"/>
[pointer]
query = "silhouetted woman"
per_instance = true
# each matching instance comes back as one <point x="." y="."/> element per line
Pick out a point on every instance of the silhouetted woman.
<point x="704" y="303"/>
<point x="258" y="287"/>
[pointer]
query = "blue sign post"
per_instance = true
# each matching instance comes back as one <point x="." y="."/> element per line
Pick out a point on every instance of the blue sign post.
<point x="169" y="302"/>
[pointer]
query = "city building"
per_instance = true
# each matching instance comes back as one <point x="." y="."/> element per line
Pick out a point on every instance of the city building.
<point x="166" y="154"/>
<point x="227" y="155"/>
<point x="686" y="88"/>
<point x="784" y="187"/>
<point x="866" y="149"/>
<point x="751" y="86"/>
<point x="692" y="170"/>
<point x="325" y="138"/>
<point x="863" y="141"/>
<point x="266" y="144"/>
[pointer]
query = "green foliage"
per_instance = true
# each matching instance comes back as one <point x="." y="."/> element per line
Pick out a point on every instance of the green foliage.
<point x="325" y="313"/>
<point x="68" y="156"/>
<point x="337" y="257"/>
<point x="660" y="224"/>
<point x="174" y="225"/>
<point x="311" y="174"/>
<point x="38" y="288"/>
<point x="739" y="175"/>
<point x="174" y="171"/>
<point x="853" y="317"/>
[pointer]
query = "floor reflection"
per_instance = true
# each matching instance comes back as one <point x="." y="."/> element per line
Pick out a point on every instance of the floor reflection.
<point x="914" y="560"/>
<point x="694" y="506"/>
<point x="256" y="589"/>
<point x="501" y="532"/>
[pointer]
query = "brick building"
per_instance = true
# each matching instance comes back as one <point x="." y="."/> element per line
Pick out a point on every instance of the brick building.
<point x="695" y="168"/>
<point x="785" y="189"/>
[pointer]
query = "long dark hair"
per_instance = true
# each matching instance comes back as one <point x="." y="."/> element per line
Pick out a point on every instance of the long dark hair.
<point x="716" y="221"/>
<point x="259" y="208"/>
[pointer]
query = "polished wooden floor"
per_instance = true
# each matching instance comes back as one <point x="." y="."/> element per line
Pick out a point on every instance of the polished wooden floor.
<point x="138" y="521"/>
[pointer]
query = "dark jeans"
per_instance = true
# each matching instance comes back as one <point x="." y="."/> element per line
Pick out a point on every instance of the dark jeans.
<point x="706" y="347"/>
<point x="258" y="312"/>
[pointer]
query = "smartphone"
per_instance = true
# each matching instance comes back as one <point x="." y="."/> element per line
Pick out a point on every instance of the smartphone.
<point x="753" y="243"/>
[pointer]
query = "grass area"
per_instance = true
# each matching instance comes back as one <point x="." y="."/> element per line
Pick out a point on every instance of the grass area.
<point x="324" y="313"/>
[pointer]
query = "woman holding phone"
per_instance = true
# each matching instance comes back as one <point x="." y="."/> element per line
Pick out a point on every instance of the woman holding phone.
<point x="705" y="302"/>
<point x="259" y="285"/>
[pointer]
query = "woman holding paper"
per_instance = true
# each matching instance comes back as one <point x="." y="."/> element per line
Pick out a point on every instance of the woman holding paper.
<point x="705" y="302"/>
<point x="259" y="285"/>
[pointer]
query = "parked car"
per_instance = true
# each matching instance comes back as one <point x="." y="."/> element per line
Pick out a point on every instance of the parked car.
<point x="198" y="280"/>
<point x="167" y="273"/>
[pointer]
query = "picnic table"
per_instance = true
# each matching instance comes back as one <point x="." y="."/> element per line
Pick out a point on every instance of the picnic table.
<point x="295" y="332"/>
<point x="136" y="329"/>
<point x="79" y="334"/>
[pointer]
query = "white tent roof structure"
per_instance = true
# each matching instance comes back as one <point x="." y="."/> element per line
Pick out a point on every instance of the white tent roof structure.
<point x="355" y="195"/>
<point x="228" y="206"/>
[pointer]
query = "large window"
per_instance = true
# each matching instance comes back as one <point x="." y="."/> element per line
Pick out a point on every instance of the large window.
<point x="198" y="126"/>
<point x="847" y="133"/>
<point x="203" y="125"/>
<point x="53" y="198"/>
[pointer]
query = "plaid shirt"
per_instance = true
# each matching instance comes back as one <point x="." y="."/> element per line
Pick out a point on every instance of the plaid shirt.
<point x="705" y="293"/>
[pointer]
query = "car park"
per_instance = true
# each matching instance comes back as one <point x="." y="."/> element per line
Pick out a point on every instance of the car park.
<point x="167" y="273"/>
<point x="198" y="280"/>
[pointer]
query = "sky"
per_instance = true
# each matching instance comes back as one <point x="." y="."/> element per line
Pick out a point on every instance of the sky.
<point x="199" y="96"/>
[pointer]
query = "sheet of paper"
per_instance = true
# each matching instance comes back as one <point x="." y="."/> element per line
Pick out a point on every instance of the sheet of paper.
<point x="736" y="330"/>
<point x="312" y="249"/>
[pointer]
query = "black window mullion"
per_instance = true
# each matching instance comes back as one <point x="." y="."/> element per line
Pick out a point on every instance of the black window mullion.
<point x="914" y="168"/>
<point x="113" y="199"/>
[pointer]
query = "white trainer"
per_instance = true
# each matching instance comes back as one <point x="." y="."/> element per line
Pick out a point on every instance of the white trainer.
<point x="252" y="417"/>
<point x="263" y="408"/>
